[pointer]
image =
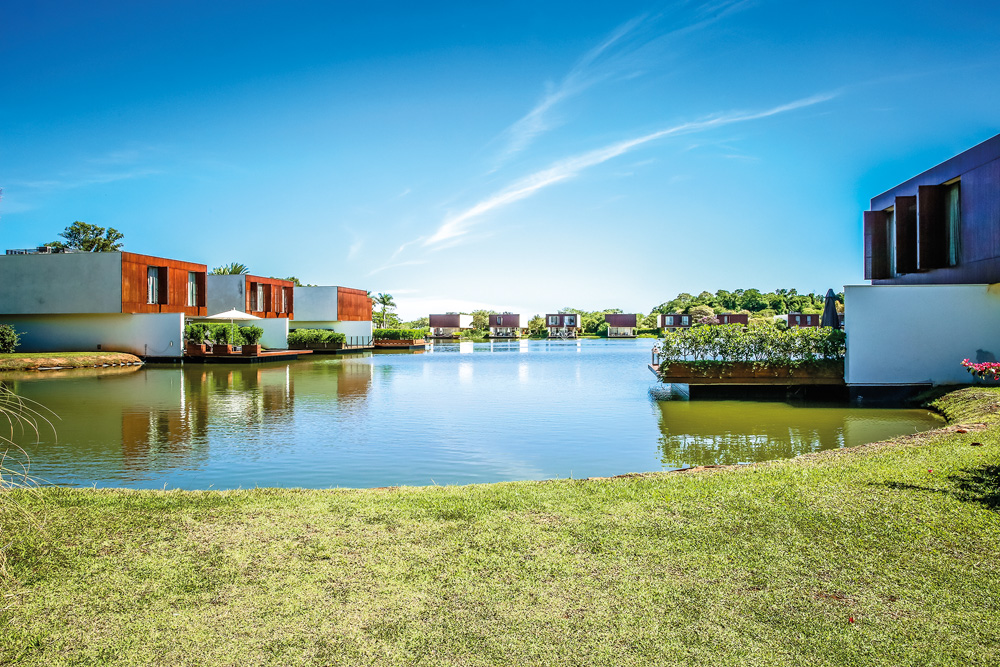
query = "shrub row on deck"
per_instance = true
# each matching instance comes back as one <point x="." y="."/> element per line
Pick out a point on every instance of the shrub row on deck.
<point x="312" y="336"/>
<point x="762" y="344"/>
<point x="399" y="334"/>
<point x="222" y="334"/>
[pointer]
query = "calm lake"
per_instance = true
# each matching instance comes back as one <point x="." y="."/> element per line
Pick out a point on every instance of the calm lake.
<point x="457" y="414"/>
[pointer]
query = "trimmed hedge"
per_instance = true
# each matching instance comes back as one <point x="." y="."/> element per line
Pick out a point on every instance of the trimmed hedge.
<point x="758" y="344"/>
<point x="399" y="334"/>
<point x="311" y="336"/>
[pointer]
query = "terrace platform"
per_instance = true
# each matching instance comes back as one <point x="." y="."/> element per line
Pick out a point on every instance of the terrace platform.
<point x="263" y="357"/>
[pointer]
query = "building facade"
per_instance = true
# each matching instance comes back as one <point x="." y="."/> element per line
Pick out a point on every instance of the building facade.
<point x="86" y="301"/>
<point x="449" y="325"/>
<point x="341" y="309"/>
<point x="563" y="325"/>
<point x="270" y="299"/>
<point x="621" y="325"/>
<point x="931" y="245"/>
<point x="507" y="325"/>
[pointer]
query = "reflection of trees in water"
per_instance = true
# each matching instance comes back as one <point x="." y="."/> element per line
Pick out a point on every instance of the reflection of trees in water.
<point x="707" y="433"/>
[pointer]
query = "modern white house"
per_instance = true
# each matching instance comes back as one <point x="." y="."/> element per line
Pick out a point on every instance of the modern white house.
<point x="932" y="254"/>
<point x="563" y="325"/>
<point x="507" y="325"/>
<point x="115" y="301"/>
<point x="270" y="299"/>
<point x="449" y="325"/>
<point x="341" y="309"/>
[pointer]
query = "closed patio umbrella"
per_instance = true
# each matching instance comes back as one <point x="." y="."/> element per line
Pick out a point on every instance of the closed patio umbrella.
<point x="830" y="316"/>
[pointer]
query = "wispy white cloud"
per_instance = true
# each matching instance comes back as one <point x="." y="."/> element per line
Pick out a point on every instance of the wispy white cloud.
<point x="355" y="248"/>
<point x="627" y="52"/>
<point x="568" y="168"/>
<point x="386" y="267"/>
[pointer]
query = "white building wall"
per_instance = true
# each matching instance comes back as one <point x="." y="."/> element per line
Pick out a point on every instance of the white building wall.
<point x="142" y="334"/>
<point x="915" y="334"/>
<point x="224" y="293"/>
<point x="315" y="304"/>
<point x="78" y="282"/>
<point x="355" y="329"/>
<point x="275" y="331"/>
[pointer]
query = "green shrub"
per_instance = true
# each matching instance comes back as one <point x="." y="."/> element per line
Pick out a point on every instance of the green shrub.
<point x="251" y="335"/>
<point x="762" y="344"/>
<point x="653" y="331"/>
<point x="313" y="336"/>
<point x="398" y="334"/>
<point x="9" y="339"/>
<point x="196" y="332"/>
<point x="225" y="334"/>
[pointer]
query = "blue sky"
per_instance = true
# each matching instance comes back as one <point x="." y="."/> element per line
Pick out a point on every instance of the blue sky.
<point x="517" y="156"/>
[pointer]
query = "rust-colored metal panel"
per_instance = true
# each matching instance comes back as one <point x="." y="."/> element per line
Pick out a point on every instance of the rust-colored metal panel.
<point x="272" y="296"/>
<point x="620" y="319"/>
<point x="172" y="275"/>
<point x="354" y="305"/>
<point x="507" y="320"/>
<point x="906" y="234"/>
<point x="932" y="232"/>
<point x="980" y="214"/>
<point x="876" y="245"/>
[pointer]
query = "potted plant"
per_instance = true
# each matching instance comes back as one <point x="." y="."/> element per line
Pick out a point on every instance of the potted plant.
<point x="221" y="340"/>
<point x="251" y="340"/>
<point x="194" y="337"/>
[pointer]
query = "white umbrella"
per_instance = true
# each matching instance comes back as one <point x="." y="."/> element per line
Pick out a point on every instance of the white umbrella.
<point x="231" y="315"/>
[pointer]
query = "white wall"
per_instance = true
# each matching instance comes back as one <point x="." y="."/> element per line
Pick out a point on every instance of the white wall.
<point x="78" y="282"/>
<point x="315" y="304"/>
<point x="362" y="329"/>
<point x="224" y="293"/>
<point x="275" y="332"/>
<point x="914" y="334"/>
<point x="142" y="334"/>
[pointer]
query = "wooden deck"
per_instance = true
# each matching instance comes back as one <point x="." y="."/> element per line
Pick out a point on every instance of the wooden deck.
<point x="748" y="376"/>
<point x="263" y="357"/>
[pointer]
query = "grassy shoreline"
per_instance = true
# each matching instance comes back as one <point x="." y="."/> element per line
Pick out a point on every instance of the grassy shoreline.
<point x="883" y="554"/>
<point x="32" y="361"/>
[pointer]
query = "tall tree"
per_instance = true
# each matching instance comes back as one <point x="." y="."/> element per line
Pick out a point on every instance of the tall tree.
<point x="233" y="269"/>
<point x="89" y="238"/>
<point x="384" y="300"/>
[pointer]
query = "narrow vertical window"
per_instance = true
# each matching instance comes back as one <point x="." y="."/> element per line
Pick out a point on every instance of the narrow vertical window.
<point x="192" y="289"/>
<point x="152" y="284"/>
<point x="890" y="234"/>
<point x="953" y="220"/>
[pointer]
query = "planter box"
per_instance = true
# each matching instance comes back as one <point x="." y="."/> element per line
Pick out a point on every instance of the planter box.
<point x="252" y="350"/>
<point x="742" y="372"/>
<point x="220" y="350"/>
<point x="195" y="350"/>
<point x="317" y="346"/>
<point x="385" y="342"/>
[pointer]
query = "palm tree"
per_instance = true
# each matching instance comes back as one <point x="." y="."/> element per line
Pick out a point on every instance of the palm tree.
<point x="233" y="269"/>
<point x="384" y="300"/>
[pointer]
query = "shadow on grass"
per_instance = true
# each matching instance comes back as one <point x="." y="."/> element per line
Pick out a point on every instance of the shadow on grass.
<point x="977" y="485"/>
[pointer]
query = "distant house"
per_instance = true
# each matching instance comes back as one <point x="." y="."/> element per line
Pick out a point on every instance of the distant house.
<point x="84" y="301"/>
<point x="800" y="320"/>
<point x="506" y="325"/>
<point x="449" y="325"/>
<point x="341" y="309"/>
<point x="674" y="321"/>
<point x="563" y="325"/>
<point x="930" y="246"/>
<point x="271" y="299"/>
<point x="621" y="325"/>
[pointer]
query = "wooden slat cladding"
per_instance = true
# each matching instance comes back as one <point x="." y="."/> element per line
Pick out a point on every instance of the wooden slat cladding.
<point x="620" y="320"/>
<point x="277" y="296"/>
<point x="172" y="276"/>
<point x="353" y="305"/>
<point x="906" y="234"/>
<point x="932" y="230"/>
<point x="876" y="246"/>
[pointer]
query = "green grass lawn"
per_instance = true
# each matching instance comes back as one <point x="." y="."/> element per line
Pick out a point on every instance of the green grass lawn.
<point x="886" y="554"/>
<point x="21" y="361"/>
